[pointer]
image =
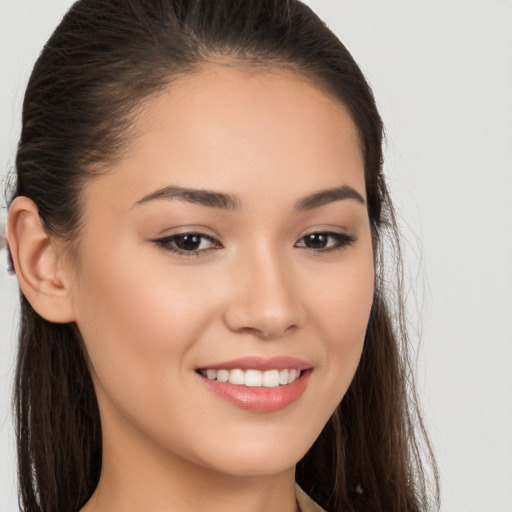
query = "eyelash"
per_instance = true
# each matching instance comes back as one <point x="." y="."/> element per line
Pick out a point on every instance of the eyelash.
<point x="168" y="243"/>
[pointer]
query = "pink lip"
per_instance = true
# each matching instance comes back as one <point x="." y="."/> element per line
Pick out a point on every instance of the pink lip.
<point x="261" y="363"/>
<point x="260" y="399"/>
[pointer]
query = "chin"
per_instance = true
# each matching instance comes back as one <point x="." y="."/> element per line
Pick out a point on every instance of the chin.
<point x="258" y="458"/>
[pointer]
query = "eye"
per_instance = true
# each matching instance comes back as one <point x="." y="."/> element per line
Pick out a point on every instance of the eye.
<point x="188" y="244"/>
<point x="325" y="241"/>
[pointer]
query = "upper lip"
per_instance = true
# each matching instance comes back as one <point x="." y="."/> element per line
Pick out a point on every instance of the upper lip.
<point x="260" y="363"/>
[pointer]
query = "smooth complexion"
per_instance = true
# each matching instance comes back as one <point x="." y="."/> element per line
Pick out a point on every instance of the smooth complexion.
<point x="273" y="267"/>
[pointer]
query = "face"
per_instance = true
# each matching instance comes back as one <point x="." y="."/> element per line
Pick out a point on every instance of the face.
<point x="226" y="275"/>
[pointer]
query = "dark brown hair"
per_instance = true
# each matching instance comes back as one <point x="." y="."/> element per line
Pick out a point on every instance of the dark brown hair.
<point x="103" y="60"/>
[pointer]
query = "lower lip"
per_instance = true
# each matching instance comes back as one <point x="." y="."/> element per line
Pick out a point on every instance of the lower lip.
<point x="259" y="399"/>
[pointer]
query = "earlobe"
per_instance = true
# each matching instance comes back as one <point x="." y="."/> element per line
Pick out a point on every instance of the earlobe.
<point x="36" y="262"/>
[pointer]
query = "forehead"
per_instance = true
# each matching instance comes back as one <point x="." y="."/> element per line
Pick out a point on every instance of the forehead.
<point x="240" y="129"/>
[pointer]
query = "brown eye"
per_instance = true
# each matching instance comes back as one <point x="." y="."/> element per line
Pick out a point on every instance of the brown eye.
<point x="325" y="241"/>
<point x="188" y="243"/>
<point x="316" y="240"/>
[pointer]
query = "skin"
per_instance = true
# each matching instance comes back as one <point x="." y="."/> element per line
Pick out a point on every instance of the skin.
<point x="150" y="317"/>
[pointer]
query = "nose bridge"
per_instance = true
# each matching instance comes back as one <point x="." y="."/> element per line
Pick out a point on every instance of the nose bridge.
<point x="264" y="299"/>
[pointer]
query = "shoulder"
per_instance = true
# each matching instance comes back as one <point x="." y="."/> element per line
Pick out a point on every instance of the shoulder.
<point x="306" y="504"/>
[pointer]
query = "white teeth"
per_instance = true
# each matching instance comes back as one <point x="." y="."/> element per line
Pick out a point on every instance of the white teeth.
<point x="271" y="379"/>
<point x="237" y="377"/>
<point x="253" y="378"/>
<point x="222" y="375"/>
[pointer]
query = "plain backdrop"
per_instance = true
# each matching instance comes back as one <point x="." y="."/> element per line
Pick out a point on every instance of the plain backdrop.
<point x="442" y="76"/>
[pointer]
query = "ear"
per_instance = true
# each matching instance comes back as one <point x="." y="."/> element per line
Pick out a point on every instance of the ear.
<point x="37" y="263"/>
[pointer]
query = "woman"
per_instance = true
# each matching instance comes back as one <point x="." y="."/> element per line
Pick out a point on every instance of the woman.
<point x="197" y="231"/>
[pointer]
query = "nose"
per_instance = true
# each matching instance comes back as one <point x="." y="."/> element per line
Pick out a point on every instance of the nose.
<point x="264" y="299"/>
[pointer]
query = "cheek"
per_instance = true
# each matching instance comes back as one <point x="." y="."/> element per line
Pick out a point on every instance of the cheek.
<point x="138" y="323"/>
<point x="342" y="316"/>
<point x="347" y="297"/>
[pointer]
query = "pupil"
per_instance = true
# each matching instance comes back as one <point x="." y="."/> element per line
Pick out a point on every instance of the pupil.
<point x="188" y="242"/>
<point x="316" y="241"/>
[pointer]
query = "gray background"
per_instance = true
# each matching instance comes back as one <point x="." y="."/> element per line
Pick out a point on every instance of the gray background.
<point x="442" y="76"/>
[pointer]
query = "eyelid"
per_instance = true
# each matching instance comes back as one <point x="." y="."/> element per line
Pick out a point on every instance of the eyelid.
<point x="187" y="229"/>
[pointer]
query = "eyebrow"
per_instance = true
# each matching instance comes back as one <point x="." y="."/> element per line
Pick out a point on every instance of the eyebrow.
<point x="230" y="202"/>
<point x="196" y="196"/>
<point x="328" y="196"/>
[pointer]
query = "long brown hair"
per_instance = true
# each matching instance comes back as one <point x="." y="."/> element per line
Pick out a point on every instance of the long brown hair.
<point x="103" y="60"/>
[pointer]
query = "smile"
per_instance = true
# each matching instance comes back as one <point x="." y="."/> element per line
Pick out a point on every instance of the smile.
<point x="253" y="377"/>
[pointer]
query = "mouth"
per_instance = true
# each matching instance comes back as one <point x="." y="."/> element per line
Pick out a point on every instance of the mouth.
<point x="258" y="385"/>
<point x="252" y="377"/>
